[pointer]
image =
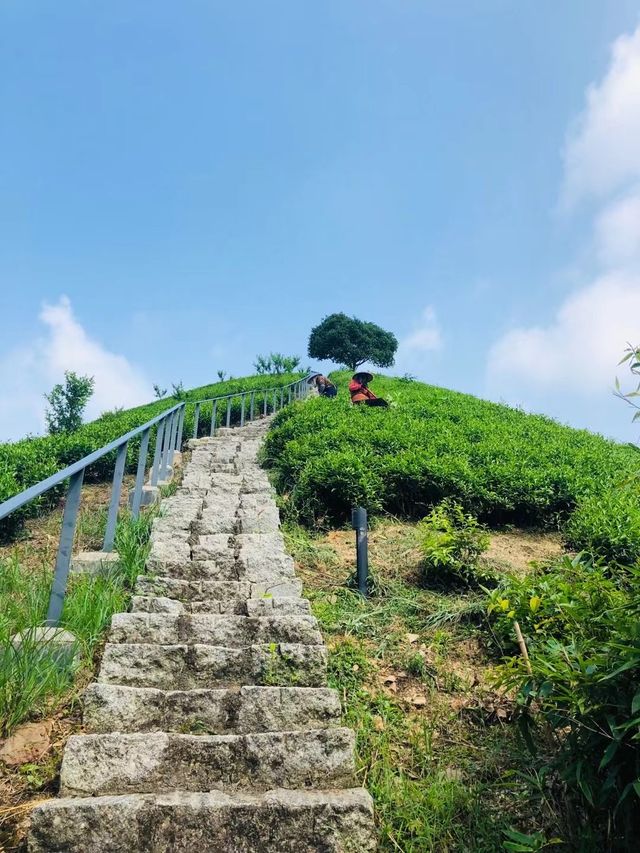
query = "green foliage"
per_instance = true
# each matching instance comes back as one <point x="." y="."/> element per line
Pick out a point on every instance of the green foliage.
<point x="352" y="342"/>
<point x="452" y="543"/>
<point x="177" y="391"/>
<point x="608" y="525"/>
<point x="632" y="358"/>
<point x="67" y="402"/>
<point x="276" y="363"/>
<point x="582" y="632"/>
<point x="500" y="464"/>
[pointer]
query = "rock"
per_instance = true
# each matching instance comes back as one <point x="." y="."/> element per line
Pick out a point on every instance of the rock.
<point x="28" y="743"/>
<point x="95" y="562"/>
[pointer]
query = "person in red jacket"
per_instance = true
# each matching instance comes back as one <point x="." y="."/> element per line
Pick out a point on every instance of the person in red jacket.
<point x="360" y="393"/>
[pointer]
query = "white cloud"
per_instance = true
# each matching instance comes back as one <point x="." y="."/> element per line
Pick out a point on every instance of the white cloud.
<point x="415" y="350"/>
<point x="576" y="355"/>
<point x="579" y="350"/>
<point x="617" y="232"/>
<point x="426" y="337"/>
<point x="603" y="150"/>
<point x="28" y="372"/>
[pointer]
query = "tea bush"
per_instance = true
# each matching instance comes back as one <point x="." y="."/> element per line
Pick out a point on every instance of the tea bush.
<point x="581" y="697"/>
<point x="452" y="543"/>
<point x="608" y="526"/>
<point x="500" y="464"/>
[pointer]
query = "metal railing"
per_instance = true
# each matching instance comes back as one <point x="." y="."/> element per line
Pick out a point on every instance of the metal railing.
<point x="170" y="425"/>
<point x="273" y="399"/>
<point x="168" y="439"/>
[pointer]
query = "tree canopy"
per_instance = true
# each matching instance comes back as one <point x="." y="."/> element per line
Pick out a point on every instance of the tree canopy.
<point x="67" y="402"/>
<point x="352" y="342"/>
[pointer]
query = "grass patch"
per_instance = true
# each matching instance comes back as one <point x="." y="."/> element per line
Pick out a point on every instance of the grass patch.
<point x="436" y="745"/>
<point x="33" y="679"/>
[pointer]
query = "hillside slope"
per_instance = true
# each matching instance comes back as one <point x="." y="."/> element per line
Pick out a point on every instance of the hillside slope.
<point x="502" y="464"/>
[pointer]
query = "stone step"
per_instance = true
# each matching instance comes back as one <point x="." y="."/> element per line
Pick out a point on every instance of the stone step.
<point x="112" y="707"/>
<point x="255" y="607"/>
<point x="156" y="762"/>
<point x="188" y="667"/>
<point x="213" y="629"/>
<point x="206" y="590"/>
<point x="277" y="821"/>
<point x="160" y="604"/>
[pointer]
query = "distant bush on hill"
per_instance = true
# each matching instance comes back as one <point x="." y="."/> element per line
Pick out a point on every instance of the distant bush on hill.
<point x="500" y="464"/>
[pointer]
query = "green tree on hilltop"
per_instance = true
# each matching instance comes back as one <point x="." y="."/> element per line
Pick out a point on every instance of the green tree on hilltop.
<point x="352" y="342"/>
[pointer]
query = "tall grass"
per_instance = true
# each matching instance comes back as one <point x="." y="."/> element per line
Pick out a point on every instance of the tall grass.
<point x="35" y="677"/>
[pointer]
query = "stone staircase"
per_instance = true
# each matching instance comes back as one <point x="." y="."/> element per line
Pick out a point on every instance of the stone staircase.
<point x="210" y="727"/>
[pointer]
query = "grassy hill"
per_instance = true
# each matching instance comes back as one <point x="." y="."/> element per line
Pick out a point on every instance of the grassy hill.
<point x="499" y="463"/>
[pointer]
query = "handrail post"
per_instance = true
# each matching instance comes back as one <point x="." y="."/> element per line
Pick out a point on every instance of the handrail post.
<point x="289" y="403"/>
<point x="155" y="471"/>
<point x="114" y="505"/>
<point x="241" y="410"/>
<point x="265" y="403"/>
<point x="65" y="547"/>
<point x="359" y="524"/>
<point x="281" y="398"/>
<point x="214" y="413"/>
<point x="164" y="463"/>
<point x="180" y="426"/>
<point x="172" y="439"/>
<point x="196" y="418"/>
<point x="252" y="400"/>
<point x="142" y="464"/>
<point x="228" y="412"/>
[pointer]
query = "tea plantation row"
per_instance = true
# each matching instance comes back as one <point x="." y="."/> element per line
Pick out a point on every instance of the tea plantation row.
<point x="25" y="462"/>
<point x="501" y="464"/>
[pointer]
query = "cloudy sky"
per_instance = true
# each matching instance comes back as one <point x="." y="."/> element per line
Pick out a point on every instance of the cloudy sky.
<point x="185" y="185"/>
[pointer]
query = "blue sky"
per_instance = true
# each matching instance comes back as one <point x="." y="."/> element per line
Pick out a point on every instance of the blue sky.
<point x="185" y="185"/>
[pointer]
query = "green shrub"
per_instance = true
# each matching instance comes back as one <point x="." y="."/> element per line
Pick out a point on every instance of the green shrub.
<point x="580" y="700"/>
<point x="452" y="543"/>
<point x="608" y="526"/>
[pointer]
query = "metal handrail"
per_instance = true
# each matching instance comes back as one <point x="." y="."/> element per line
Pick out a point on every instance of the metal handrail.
<point x="296" y="390"/>
<point x="170" y="424"/>
<point x="169" y="429"/>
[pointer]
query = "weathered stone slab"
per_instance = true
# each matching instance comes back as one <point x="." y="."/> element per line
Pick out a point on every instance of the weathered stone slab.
<point x="152" y="762"/>
<point x="218" y="547"/>
<point x="111" y="707"/>
<point x="265" y="606"/>
<point x="186" y="667"/>
<point x="201" y="628"/>
<point x="95" y="562"/>
<point x="194" y="590"/>
<point x="158" y="604"/>
<point x="278" y="821"/>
